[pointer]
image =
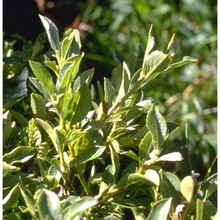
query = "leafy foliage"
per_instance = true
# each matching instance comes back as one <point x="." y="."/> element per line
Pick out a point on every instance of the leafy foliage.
<point x="96" y="155"/>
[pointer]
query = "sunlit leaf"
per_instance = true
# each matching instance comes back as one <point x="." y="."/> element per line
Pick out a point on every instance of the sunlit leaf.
<point x="160" y="210"/>
<point x="20" y="154"/>
<point x="52" y="32"/>
<point x="78" y="207"/>
<point x="157" y="126"/>
<point x="48" y="205"/>
<point x="187" y="188"/>
<point x="11" y="198"/>
<point x="88" y="154"/>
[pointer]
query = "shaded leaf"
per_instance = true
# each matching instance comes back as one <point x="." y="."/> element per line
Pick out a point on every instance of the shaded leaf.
<point x="13" y="93"/>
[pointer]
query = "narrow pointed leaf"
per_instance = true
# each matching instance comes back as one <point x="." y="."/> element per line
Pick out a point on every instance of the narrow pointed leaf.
<point x="20" y="154"/>
<point x="181" y="62"/>
<point x="44" y="77"/>
<point x="78" y="207"/>
<point x="29" y="200"/>
<point x="52" y="32"/>
<point x="83" y="101"/>
<point x="11" y="198"/>
<point x="88" y="154"/>
<point x="157" y="126"/>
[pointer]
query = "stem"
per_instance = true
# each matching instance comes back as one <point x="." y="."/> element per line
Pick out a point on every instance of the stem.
<point x="82" y="180"/>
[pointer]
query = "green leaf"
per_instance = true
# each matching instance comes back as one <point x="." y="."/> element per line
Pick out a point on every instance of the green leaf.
<point x="11" y="198"/>
<point x="126" y="76"/>
<point x="84" y="77"/>
<point x="52" y="33"/>
<point x="115" y="160"/>
<point x="44" y="77"/>
<point x="204" y="210"/>
<point x="145" y="146"/>
<point x="13" y="93"/>
<point x="181" y="62"/>
<point x="20" y="154"/>
<point x="160" y="210"/>
<point x="78" y="207"/>
<point x="83" y="101"/>
<point x="150" y="42"/>
<point x="171" y="46"/>
<point x="107" y="181"/>
<point x="109" y="91"/>
<point x="7" y="168"/>
<point x="175" y="156"/>
<point x="52" y="65"/>
<point x="48" y="205"/>
<point x="187" y="188"/>
<point x="150" y="177"/>
<point x="170" y="187"/>
<point x="132" y="155"/>
<point x="57" y="134"/>
<point x="88" y="154"/>
<point x="19" y="118"/>
<point x="64" y="104"/>
<point x="66" y="43"/>
<point x="68" y="73"/>
<point x="29" y="199"/>
<point x="38" y="106"/>
<point x="155" y="63"/>
<point x="157" y="126"/>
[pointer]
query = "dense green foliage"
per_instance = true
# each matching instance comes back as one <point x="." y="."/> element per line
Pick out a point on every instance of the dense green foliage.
<point x="76" y="149"/>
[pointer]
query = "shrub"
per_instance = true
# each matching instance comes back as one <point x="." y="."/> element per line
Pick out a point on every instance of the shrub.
<point x="88" y="153"/>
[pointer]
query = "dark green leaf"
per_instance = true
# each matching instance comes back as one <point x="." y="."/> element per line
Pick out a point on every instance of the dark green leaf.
<point x="204" y="210"/>
<point x="15" y="92"/>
